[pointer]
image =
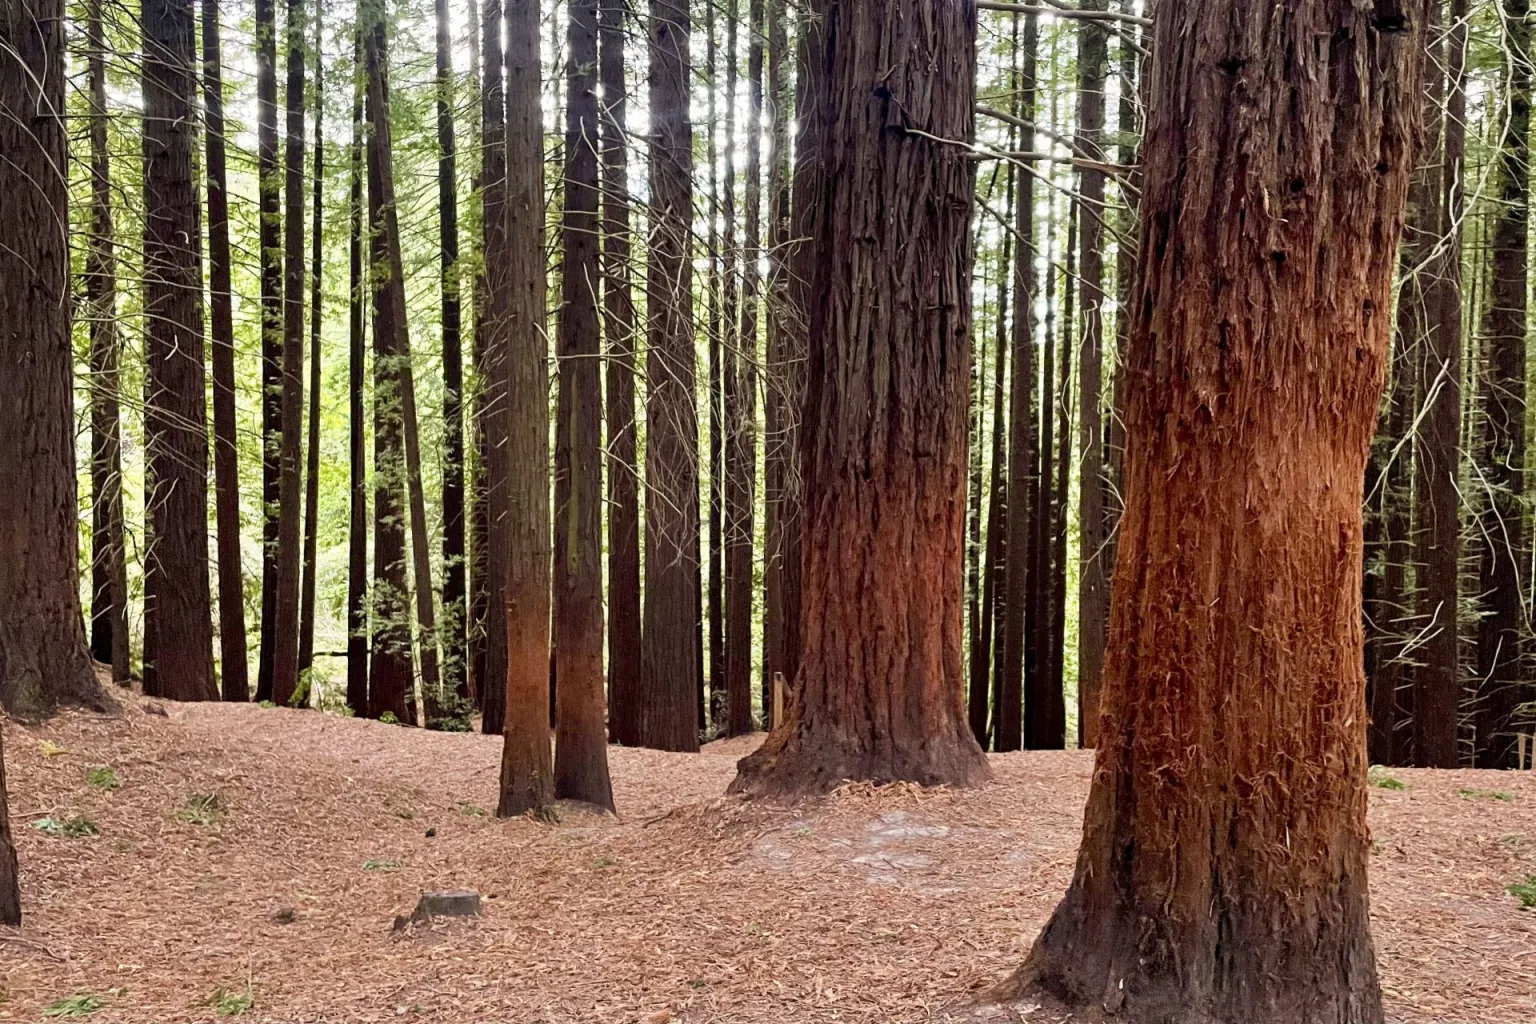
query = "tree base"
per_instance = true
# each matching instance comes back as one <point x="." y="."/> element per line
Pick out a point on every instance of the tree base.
<point x="793" y="763"/>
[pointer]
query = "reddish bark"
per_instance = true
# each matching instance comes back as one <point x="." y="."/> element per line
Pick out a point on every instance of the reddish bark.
<point x="879" y="692"/>
<point x="1222" y="875"/>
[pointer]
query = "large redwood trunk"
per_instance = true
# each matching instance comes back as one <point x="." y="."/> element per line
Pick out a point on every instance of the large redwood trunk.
<point x="178" y="626"/>
<point x="43" y="657"/>
<point x="879" y="692"/>
<point x="528" y="777"/>
<point x="1222" y="874"/>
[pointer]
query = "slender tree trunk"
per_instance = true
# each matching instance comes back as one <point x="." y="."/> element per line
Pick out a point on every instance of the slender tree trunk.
<point x="670" y="644"/>
<point x="1437" y="683"/>
<point x="719" y="286"/>
<point x="496" y="331"/>
<point x="581" y="751"/>
<point x="452" y="634"/>
<point x="1222" y="874"/>
<point x="391" y="672"/>
<point x="979" y="690"/>
<point x="44" y="661"/>
<point x="1039" y="677"/>
<point x="1044" y="714"/>
<point x="741" y="394"/>
<point x="10" y="882"/>
<point x="178" y="626"/>
<point x="479" y="523"/>
<point x="357" y="532"/>
<point x="1093" y="581"/>
<point x="1503" y="685"/>
<point x="624" y="651"/>
<point x="269" y="188"/>
<point x="1007" y="709"/>
<point x="109" y="572"/>
<point x="885" y="437"/>
<point x="1060" y="524"/>
<point x="421" y="555"/>
<point x="312" y="448"/>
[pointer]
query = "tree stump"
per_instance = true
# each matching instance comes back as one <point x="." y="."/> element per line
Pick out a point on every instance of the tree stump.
<point x="452" y="903"/>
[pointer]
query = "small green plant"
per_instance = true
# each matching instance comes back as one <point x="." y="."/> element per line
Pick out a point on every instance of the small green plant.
<point x="104" y="776"/>
<point x="51" y="749"/>
<point x="388" y="718"/>
<point x="79" y="1005"/>
<point x="1486" y="794"/>
<point x="227" y="1003"/>
<point x="69" y="828"/>
<point x="202" y="809"/>
<point x="266" y="704"/>
<point x="380" y="865"/>
<point x="1524" y="891"/>
<point x="449" y="712"/>
<point x="471" y="811"/>
<point x="1379" y="778"/>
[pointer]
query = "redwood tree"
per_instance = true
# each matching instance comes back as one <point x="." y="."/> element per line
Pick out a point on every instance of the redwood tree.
<point x="1222" y="873"/>
<point x="669" y="718"/>
<point x="178" y="626"/>
<point x="270" y="241"/>
<point x="527" y="779"/>
<point x="357" y="475"/>
<point x="879" y="691"/>
<point x="43" y="658"/>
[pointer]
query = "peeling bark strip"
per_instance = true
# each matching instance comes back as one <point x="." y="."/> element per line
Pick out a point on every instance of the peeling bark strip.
<point x="885" y="430"/>
<point x="1222" y="875"/>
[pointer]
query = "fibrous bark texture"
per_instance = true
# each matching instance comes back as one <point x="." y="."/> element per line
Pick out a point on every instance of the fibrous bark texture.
<point x="880" y="689"/>
<point x="1222" y="873"/>
<point x="178" y="623"/>
<point x="43" y="658"/>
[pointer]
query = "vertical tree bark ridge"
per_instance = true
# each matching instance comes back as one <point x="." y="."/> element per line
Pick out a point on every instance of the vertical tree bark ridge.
<point x="452" y="631"/>
<point x="109" y="571"/>
<point x="391" y="671"/>
<point x="269" y="188"/>
<point x="10" y="882"/>
<point x="357" y="530"/>
<point x="178" y="624"/>
<point x="233" y="655"/>
<point x="1437" y="682"/>
<point x="715" y="389"/>
<point x="1093" y="581"/>
<point x="880" y="689"/>
<point x="312" y="446"/>
<point x="741" y="436"/>
<point x="581" y="751"/>
<point x="1222" y="874"/>
<point x="1503" y="686"/>
<point x="670" y="643"/>
<point x="44" y="661"/>
<point x="528" y="780"/>
<point x="496" y="332"/>
<point x="624" y="693"/>
<point x="1007" y="709"/>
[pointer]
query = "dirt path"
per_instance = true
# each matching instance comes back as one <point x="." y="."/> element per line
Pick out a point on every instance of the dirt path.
<point x="891" y="905"/>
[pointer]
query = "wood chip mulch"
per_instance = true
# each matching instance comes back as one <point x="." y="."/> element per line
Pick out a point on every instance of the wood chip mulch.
<point x="252" y="862"/>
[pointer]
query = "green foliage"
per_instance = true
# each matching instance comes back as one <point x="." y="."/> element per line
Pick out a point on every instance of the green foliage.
<point x="202" y="809"/>
<point x="266" y="704"/>
<point x="227" y="1003"/>
<point x="380" y="865"/>
<point x="1524" y="891"/>
<point x="452" y="714"/>
<point x="79" y="1005"/>
<point x="1379" y="778"/>
<point x="388" y="718"/>
<point x="1485" y="794"/>
<point x="471" y="811"/>
<point x="48" y="748"/>
<point x="69" y="828"/>
<point x="104" y="776"/>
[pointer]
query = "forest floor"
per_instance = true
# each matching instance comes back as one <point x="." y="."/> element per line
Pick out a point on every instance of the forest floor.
<point x="251" y="863"/>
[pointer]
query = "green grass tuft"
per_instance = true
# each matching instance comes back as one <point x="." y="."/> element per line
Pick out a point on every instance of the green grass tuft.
<point x="202" y="809"/>
<point x="69" y="828"/>
<point x="1486" y="794"/>
<point x="1379" y="778"/>
<point x="231" y="1004"/>
<point x="1524" y="891"/>
<point x="380" y="865"/>
<point x="104" y="776"/>
<point x="82" y="1005"/>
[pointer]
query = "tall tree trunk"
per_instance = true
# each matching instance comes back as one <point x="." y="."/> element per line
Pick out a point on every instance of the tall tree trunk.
<point x="1007" y="710"/>
<point x="1437" y="683"/>
<point x="1039" y="678"/>
<point x="109" y="572"/>
<point x="452" y="635"/>
<point x="44" y="661"/>
<point x="670" y="644"/>
<point x="1222" y="874"/>
<point x="269" y="188"/>
<point x="1503" y="685"/>
<point x="357" y="531"/>
<point x="885" y="436"/>
<point x="1093" y="581"/>
<point x="479" y="523"/>
<point x="10" y="882"/>
<point x="391" y="671"/>
<point x="741" y="414"/>
<point x="1060" y="519"/>
<point x="624" y="693"/>
<point x="312" y="447"/>
<point x="777" y="457"/>
<point x="978" y="676"/>
<point x="233" y="658"/>
<point x="178" y="625"/>
<point x="581" y="750"/>
<point x="496" y="331"/>
<point x="720" y="286"/>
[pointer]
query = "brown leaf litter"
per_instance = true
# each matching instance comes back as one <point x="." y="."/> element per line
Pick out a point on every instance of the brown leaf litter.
<point x="252" y="861"/>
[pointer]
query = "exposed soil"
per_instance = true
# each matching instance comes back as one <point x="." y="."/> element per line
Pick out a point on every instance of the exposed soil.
<point x="882" y="905"/>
